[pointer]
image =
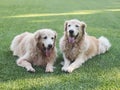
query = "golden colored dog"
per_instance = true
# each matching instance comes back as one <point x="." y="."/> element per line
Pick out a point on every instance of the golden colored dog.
<point x="77" y="47"/>
<point x="35" y="48"/>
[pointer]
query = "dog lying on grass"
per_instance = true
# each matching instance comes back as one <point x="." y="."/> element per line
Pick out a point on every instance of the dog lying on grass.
<point x="35" y="49"/>
<point x="77" y="47"/>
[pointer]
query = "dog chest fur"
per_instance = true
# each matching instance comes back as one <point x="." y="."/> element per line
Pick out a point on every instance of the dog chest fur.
<point x="41" y="60"/>
<point x="72" y="51"/>
<point x="88" y="46"/>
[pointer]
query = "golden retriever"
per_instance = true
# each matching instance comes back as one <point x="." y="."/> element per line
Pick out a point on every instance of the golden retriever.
<point x="35" y="49"/>
<point x="77" y="46"/>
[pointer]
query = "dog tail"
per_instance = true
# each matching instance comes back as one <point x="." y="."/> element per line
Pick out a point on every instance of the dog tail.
<point x="104" y="44"/>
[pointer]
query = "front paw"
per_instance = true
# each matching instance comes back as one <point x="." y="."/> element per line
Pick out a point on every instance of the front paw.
<point x="30" y="69"/>
<point x="70" y="69"/>
<point x="64" y="69"/>
<point x="48" y="69"/>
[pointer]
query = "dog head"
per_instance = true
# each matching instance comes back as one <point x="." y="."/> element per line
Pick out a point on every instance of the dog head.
<point x="45" y="39"/>
<point x="73" y="29"/>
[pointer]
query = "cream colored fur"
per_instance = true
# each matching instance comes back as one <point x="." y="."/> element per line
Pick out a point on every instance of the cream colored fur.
<point x="29" y="48"/>
<point x="83" y="48"/>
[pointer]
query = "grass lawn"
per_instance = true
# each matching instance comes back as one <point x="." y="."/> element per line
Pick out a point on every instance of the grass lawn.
<point x="102" y="18"/>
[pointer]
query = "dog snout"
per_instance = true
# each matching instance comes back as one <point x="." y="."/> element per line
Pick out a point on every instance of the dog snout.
<point x="49" y="46"/>
<point x="71" y="31"/>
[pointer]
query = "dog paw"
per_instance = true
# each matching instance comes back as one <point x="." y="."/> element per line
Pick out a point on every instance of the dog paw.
<point x="49" y="70"/>
<point x="32" y="70"/>
<point x="69" y="69"/>
<point x="64" y="69"/>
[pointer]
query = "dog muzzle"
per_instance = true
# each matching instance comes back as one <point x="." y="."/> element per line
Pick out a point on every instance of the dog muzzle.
<point x="71" y="39"/>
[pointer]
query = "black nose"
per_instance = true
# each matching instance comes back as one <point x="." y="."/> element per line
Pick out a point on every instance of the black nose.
<point x="71" y="31"/>
<point x="50" y="46"/>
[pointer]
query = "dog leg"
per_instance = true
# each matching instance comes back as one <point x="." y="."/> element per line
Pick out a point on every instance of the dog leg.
<point x="49" y="67"/>
<point x="66" y="63"/>
<point x="23" y="63"/>
<point x="76" y="64"/>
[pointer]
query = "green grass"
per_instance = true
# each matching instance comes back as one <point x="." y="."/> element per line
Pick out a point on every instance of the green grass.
<point x="102" y="18"/>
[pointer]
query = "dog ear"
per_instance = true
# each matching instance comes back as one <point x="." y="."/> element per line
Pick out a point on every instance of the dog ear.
<point x="65" y="25"/>
<point x="55" y="34"/>
<point x="37" y="39"/>
<point x="37" y="36"/>
<point x="83" y="27"/>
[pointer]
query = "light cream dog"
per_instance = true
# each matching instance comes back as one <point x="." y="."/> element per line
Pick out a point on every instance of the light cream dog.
<point x="35" y="49"/>
<point x="77" y="47"/>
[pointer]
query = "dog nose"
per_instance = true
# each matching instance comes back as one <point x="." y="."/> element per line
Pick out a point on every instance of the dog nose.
<point x="71" y="31"/>
<point x="50" y="46"/>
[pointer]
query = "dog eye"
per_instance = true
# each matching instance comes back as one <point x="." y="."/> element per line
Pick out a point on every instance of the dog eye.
<point x="76" y="26"/>
<point x="52" y="37"/>
<point x="45" y="37"/>
<point x="69" y="25"/>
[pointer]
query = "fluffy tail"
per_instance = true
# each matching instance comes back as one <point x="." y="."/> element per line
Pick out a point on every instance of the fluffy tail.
<point x="104" y="44"/>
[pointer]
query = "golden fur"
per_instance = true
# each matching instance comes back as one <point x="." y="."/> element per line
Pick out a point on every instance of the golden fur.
<point x="83" y="47"/>
<point x="29" y="48"/>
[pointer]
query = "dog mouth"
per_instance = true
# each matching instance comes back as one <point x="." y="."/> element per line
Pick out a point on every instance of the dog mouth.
<point x="72" y="38"/>
<point x="47" y="51"/>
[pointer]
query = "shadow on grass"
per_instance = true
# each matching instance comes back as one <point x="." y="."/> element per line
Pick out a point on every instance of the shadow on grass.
<point x="90" y="75"/>
<point x="83" y="78"/>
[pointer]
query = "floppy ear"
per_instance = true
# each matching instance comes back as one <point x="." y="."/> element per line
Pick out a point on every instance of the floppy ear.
<point x="65" y="25"/>
<point x="83" y="27"/>
<point x="55" y="34"/>
<point x="37" y="36"/>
